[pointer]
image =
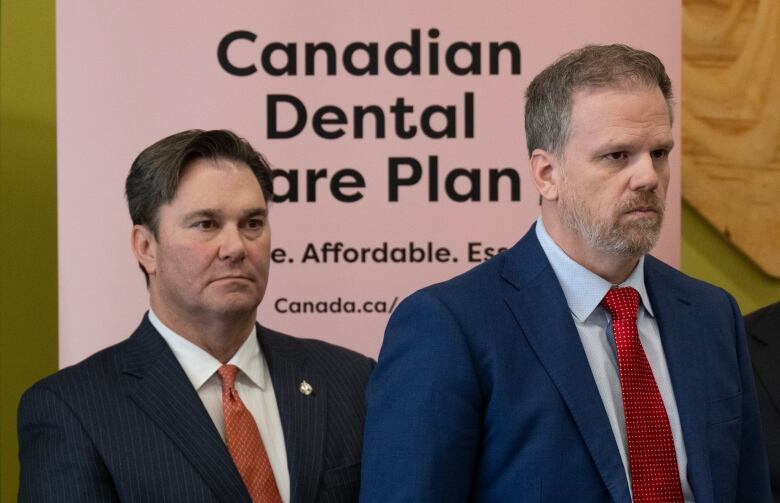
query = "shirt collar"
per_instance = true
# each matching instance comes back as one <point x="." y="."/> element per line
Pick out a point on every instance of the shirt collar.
<point x="584" y="290"/>
<point x="199" y="365"/>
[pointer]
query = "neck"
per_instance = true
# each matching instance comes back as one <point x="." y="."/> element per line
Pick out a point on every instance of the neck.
<point x="613" y="268"/>
<point x="221" y="337"/>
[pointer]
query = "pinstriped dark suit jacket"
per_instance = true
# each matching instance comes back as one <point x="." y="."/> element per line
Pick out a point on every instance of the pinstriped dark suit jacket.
<point x="127" y="425"/>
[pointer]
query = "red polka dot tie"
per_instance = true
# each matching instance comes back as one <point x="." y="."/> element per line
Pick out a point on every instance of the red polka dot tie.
<point x="651" y="457"/>
<point x="244" y="442"/>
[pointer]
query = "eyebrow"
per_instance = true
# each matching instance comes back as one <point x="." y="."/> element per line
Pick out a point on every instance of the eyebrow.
<point x="256" y="212"/>
<point x="215" y="214"/>
<point x="628" y="147"/>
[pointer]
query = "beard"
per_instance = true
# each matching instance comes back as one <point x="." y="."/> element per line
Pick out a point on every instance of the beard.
<point x="617" y="234"/>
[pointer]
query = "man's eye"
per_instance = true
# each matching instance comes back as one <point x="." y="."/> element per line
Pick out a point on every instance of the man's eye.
<point x="255" y="223"/>
<point x="205" y="225"/>
<point x="661" y="153"/>
<point x="617" y="156"/>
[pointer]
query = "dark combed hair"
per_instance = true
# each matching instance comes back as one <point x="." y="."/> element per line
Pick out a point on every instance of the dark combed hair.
<point x="155" y="174"/>
<point x="549" y="96"/>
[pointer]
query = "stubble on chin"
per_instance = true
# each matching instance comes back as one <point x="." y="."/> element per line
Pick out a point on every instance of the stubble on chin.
<point x="619" y="235"/>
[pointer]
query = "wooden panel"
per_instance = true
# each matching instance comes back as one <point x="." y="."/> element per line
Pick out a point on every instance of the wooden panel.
<point x="731" y="121"/>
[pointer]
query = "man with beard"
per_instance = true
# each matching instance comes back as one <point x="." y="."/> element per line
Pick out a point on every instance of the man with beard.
<point x="574" y="366"/>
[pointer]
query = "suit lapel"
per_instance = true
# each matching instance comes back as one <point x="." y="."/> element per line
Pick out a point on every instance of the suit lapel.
<point x="541" y="310"/>
<point x="683" y="342"/>
<point x="158" y="385"/>
<point x="303" y="416"/>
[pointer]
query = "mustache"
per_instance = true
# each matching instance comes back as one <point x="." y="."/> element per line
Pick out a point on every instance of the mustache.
<point x="645" y="200"/>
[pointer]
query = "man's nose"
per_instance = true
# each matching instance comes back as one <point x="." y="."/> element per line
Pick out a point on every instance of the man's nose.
<point x="645" y="175"/>
<point x="232" y="246"/>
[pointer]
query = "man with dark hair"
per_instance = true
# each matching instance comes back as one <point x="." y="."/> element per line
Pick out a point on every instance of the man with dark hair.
<point x="201" y="403"/>
<point x="574" y="366"/>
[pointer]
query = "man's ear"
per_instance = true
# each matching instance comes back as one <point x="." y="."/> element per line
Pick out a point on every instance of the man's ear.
<point x="144" y="246"/>
<point x="545" y="168"/>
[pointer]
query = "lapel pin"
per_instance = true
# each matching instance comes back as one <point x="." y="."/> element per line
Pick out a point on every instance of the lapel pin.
<point x="305" y="388"/>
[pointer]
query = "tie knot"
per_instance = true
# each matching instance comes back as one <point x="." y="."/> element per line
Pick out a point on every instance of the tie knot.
<point x="622" y="303"/>
<point x="228" y="375"/>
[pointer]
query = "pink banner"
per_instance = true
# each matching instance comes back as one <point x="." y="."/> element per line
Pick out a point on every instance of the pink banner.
<point x="396" y="128"/>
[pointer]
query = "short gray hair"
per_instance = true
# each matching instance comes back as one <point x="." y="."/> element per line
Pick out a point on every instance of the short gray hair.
<point x="549" y="96"/>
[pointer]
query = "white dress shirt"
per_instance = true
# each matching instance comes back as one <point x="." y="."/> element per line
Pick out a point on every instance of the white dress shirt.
<point x="584" y="291"/>
<point x="253" y="384"/>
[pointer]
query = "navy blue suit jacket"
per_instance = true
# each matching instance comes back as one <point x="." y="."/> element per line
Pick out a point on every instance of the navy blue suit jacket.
<point x="127" y="425"/>
<point x="483" y="392"/>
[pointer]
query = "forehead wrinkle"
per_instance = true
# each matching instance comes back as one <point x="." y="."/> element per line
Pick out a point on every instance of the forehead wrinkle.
<point x="625" y="134"/>
<point x="634" y="138"/>
<point x="593" y="99"/>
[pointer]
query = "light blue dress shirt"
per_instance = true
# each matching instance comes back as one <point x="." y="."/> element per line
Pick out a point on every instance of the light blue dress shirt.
<point x="584" y="291"/>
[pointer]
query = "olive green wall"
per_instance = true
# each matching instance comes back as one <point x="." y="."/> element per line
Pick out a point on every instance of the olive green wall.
<point x="707" y="255"/>
<point x="28" y="214"/>
<point x="28" y="237"/>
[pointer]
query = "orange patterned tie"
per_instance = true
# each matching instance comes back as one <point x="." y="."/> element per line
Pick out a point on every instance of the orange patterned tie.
<point x="244" y="442"/>
<point x="651" y="456"/>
